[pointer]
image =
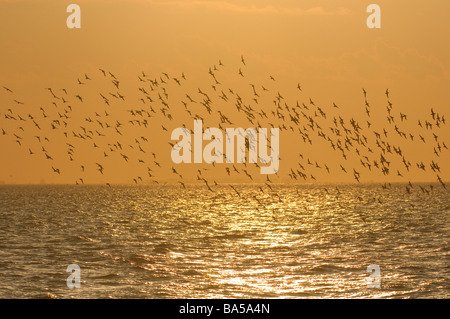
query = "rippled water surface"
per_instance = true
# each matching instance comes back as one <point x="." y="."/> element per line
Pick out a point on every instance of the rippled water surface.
<point x="170" y="242"/>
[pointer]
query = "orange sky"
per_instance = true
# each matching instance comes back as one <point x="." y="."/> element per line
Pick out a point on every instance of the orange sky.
<point x="323" y="45"/>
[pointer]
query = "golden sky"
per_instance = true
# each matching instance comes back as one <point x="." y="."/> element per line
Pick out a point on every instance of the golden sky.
<point x="323" y="45"/>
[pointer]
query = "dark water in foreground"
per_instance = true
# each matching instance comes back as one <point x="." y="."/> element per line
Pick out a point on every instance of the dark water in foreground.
<point x="168" y="242"/>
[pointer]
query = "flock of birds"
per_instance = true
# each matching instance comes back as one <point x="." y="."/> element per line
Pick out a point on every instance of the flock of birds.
<point x="112" y="125"/>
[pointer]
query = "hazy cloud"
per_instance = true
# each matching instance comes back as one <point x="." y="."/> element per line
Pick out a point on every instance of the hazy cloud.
<point x="250" y="9"/>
